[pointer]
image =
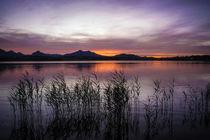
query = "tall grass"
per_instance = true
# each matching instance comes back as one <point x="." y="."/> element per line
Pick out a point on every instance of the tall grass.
<point x="26" y="100"/>
<point x="88" y="109"/>
<point x="196" y="106"/>
<point x="159" y="110"/>
<point x="58" y="95"/>
<point x="27" y="94"/>
<point x="116" y="93"/>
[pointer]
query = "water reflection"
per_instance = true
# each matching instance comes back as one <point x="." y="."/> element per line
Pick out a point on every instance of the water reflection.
<point x="136" y="121"/>
<point x="184" y="72"/>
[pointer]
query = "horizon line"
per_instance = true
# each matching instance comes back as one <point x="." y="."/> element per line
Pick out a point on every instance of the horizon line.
<point x="154" y="56"/>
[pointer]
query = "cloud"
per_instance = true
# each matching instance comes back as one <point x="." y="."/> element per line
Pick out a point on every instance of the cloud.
<point x="161" y="43"/>
<point x="137" y="26"/>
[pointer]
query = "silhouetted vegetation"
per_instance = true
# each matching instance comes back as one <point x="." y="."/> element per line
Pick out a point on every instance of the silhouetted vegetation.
<point x="89" y="109"/>
<point x="196" y="106"/>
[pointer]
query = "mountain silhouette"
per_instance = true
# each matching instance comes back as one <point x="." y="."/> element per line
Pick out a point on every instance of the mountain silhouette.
<point x="81" y="53"/>
<point x="86" y="55"/>
<point x="38" y="53"/>
<point x="13" y="54"/>
<point x="127" y="56"/>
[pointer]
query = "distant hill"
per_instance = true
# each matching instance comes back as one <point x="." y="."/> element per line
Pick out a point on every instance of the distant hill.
<point x="88" y="55"/>
<point x="11" y="54"/>
<point x="129" y="56"/>
<point x="38" y="53"/>
<point x="78" y="55"/>
<point x="83" y="53"/>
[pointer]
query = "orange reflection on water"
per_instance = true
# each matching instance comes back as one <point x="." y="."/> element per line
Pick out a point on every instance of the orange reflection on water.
<point x="106" y="67"/>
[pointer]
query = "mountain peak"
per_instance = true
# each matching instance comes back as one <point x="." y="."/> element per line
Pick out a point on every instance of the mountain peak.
<point x="9" y="53"/>
<point x="82" y="53"/>
<point x="127" y="56"/>
<point x="37" y="53"/>
<point x="2" y="51"/>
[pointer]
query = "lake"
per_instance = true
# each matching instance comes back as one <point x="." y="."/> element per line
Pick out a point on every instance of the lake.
<point x="185" y="116"/>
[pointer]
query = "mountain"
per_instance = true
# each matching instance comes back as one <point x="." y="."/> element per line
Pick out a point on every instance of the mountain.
<point x="88" y="55"/>
<point x="78" y="55"/>
<point x="81" y="53"/>
<point x="41" y="54"/>
<point x="127" y="56"/>
<point x="13" y="54"/>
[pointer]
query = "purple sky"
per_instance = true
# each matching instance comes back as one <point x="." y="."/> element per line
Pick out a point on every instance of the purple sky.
<point x="143" y="27"/>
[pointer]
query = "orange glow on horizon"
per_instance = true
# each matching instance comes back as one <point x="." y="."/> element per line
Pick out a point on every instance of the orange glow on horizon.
<point x="109" y="52"/>
<point x="102" y="52"/>
<point x="155" y="55"/>
<point x="164" y="55"/>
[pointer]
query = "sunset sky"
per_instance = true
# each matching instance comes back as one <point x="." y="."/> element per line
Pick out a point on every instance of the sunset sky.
<point x="108" y="27"/>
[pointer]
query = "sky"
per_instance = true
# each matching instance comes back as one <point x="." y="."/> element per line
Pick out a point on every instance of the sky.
<point x="159" y="28"/>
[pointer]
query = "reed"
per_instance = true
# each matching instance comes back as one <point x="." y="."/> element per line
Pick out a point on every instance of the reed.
<point x="86" y="109"/>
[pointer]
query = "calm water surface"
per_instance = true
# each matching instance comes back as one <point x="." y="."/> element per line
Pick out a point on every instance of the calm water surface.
<point x="185" y="73"/>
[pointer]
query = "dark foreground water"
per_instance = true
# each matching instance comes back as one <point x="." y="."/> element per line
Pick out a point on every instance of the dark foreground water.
<point x="174" y="107"/>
